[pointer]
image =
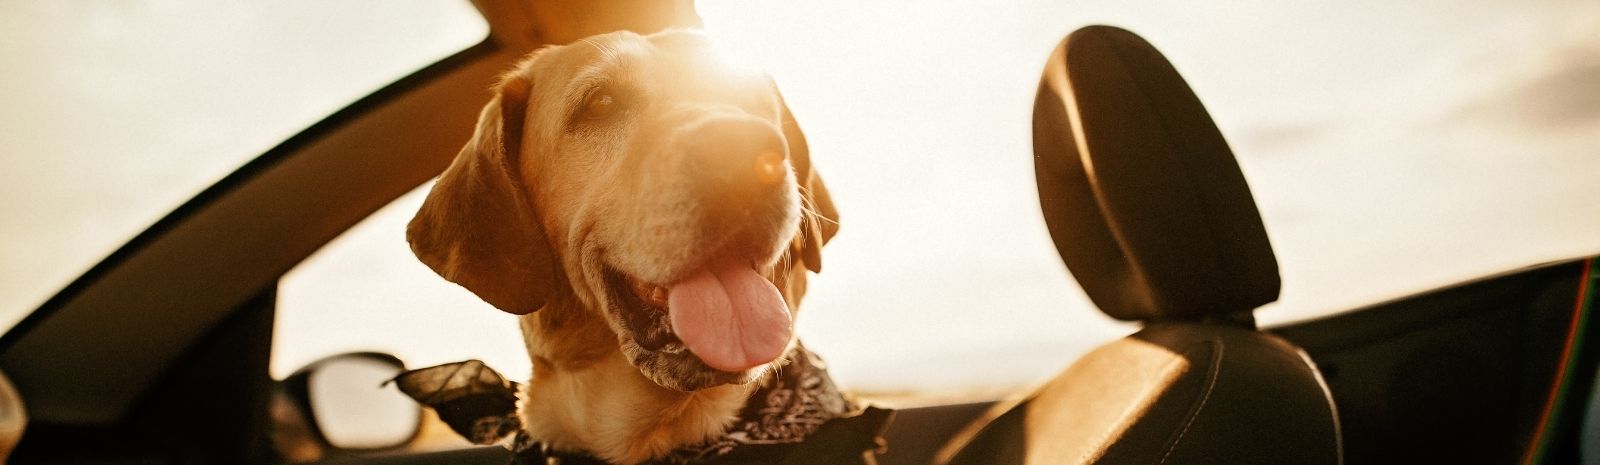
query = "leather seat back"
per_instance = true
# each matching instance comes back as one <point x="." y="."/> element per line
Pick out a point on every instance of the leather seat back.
<point x="1184" y="393"/>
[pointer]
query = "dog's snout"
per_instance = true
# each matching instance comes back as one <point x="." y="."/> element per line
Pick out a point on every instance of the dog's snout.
<point x="770" y="167"/>
<point x="738" y="156"/>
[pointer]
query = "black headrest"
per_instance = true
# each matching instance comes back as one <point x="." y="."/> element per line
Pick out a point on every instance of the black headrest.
<point x="1141" y="194"/>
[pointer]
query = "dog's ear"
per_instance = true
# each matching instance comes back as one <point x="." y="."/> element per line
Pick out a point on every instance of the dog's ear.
<point x="819" y="221"/>
<point x="477" y="228"/>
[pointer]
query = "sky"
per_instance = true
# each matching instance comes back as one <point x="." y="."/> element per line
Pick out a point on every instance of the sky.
<point x="1392" y="146"/>
<point x="116" y="112"/>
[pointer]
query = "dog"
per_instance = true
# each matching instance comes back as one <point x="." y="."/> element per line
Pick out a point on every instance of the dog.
<point x="650" y="211"/>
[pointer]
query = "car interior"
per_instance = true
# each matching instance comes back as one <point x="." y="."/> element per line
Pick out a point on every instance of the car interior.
<point x="159" y="354"/>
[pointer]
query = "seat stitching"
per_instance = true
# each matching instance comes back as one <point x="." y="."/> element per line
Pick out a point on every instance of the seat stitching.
<point x="1106" y="436"/>
<point x="1211" y="384"/>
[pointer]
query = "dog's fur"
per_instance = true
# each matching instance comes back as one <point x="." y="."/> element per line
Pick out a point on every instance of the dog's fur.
<point x="602" y="163"/>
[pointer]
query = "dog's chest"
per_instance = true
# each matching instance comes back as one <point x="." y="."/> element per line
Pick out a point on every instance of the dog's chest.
<point x="798" y="416"/>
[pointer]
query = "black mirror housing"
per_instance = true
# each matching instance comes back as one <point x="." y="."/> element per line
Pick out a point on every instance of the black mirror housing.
<point x="344" y="404"/>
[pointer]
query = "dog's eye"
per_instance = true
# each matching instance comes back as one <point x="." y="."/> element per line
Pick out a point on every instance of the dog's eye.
<point x="599" y="105"/>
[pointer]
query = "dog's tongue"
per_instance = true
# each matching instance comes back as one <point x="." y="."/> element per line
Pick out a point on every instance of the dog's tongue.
<point x="730" y="316"/>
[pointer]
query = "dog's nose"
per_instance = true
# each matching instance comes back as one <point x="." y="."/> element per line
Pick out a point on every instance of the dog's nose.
<point x="770" y="167"/>
<point x="739" y="156"/>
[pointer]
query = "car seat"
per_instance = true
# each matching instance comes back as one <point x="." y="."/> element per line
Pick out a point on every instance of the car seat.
<point x="1150" y="212"/>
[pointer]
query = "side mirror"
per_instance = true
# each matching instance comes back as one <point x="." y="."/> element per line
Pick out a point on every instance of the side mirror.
<point x="348" y="404"/>
<point x="13" y="418"/>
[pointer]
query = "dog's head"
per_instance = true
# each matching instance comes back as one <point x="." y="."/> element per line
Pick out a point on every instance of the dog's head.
<point x="638" y="180"/>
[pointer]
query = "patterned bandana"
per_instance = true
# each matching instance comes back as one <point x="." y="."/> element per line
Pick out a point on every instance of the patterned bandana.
<point x="798" y="416"/>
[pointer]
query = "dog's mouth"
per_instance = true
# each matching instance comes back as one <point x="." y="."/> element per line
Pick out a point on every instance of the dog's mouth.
<point x="717" y="325"/>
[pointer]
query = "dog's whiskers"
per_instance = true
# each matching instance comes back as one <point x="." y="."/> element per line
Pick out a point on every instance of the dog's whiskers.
<point x="808" y="207"/>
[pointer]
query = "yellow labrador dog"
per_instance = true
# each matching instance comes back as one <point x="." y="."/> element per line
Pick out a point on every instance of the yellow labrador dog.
<point x="651" y="213"/>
